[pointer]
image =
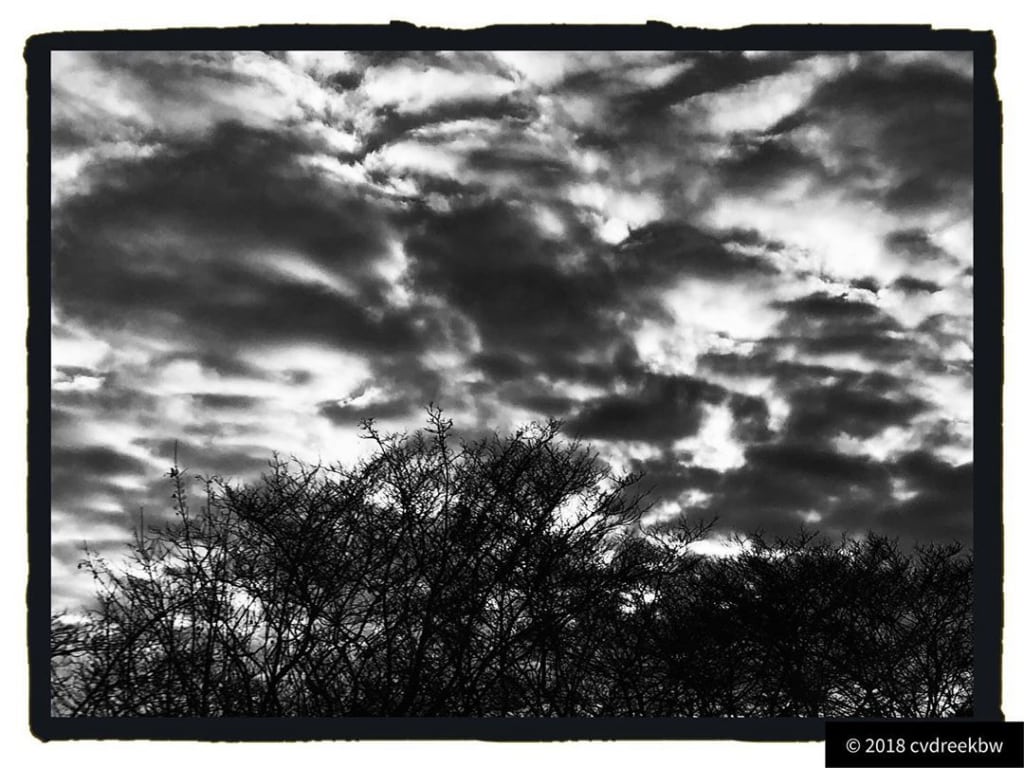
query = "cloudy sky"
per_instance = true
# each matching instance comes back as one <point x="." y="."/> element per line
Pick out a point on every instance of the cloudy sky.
<point x="748" y="275"/>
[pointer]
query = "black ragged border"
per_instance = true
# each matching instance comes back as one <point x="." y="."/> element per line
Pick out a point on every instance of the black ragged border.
<point x="988" y="382"/>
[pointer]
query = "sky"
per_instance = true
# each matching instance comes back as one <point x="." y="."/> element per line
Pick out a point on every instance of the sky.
<point x="747" y="275"/>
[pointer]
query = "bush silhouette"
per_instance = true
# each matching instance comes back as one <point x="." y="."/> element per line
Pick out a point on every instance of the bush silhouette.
<point x="507" y="576"/>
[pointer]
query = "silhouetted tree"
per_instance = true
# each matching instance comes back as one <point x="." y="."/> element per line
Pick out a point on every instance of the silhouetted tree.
<point x="507" y="576"/>
<point x="804" y="627"/>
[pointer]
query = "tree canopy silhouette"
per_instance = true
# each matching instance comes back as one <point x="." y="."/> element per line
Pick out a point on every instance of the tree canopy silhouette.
<point x="507" y="576"/>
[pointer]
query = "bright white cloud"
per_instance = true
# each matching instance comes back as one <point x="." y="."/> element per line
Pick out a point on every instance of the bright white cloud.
<point x="714" y="446"/>
<point x="413" y="89"/>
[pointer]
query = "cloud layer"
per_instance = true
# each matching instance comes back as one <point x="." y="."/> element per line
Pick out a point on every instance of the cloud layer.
<point x="748" y="275"/>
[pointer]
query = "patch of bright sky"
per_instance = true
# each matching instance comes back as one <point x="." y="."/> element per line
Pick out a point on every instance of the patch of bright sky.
<point x="67" y="528"/>
<point x="718" y="546"/>
<point x="618" y="210"/>
<point x="76" y="383"/>
<point x="957" y="398"/>
<point x="880" y="447"/>
<point x="260" y="90"/>
<point x="690" y="502"/>
<point x="847" y="361"/>
<point x="393" y="268"/>
<point x="76" y="347"/>
<point x="416" y="156"/>
<point x="961" y="62"/>
<point x="839" y="236"/>
<point x="89" y="95"/>
<point x="901" y="491"/>
<point x="287" y="419"/>
<point x="301" y="269"/>
<point x="411" y="89"/>
<point x="760" y="104"/>
<point x="548" y="221"/>
<point x="739" y="310"/>
<point x="279" y="90"/>
<point x="541" y="68"/>
<point x="714" y="446"/>
<point x="336" y="139"/>
<point x="547" y="68"/>
<point x="324" y="64"/>
<point x="69" y="171"/>
<point x="707" y="317"/>
<point x="655" y="75"/>
<point x="574" y="389"/>
<point x="810" y="516"/>
<point x="957" y="238"/>
<point x="347" y="174"/>
<point x="619" y="453"/>
<point x="445" y="360"/>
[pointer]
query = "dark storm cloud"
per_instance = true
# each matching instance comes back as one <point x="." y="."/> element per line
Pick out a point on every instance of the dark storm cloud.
<point x="344" y="81"/>
<point x="866" y="284"/>
<point x="942" y="501"/>
<point x="670" y="475"/>
<point x="708" y="73"/>
<point x="221" y="402"/>
<point x="763" y="362"/>
<point x="344" y="414"/>
<point x="534" y="170"/>
<point x="96" y="460"/>
<point x="852" y="494"/>
<point x="821" y="324"/>
<point x="71" y="372"/>
<point x="547" y="405"/>
<point x="824" y="401"/>
<point x="824" y="307"/>
<point x="667" y="250"/>
<point x="500" y="366"/>
<point x="662" y="408"/>
<point x="82" y="479"/>
<point x="532" y="392"/>
<point x="823" y="412"/>
<point x="490" y="263"/>
<point x="391" y="124"/>
<point x="911" y="284"/>
<point x="217" y="361"/>
<point x="112" y="398"/>
<point x="763" y="163"/>
<point x="750" y="418"/>
<point x="661" y="131"/>
<point x="914" y="244"/>
<point x="913" y="121"/>
<point x="800" y="470"/>
<point x="203" y="458"/>
<point x="779" y="480"/>
<point x="68" y="136"/>
<point x="171" y="241"/>
<point x="621" y="365"/>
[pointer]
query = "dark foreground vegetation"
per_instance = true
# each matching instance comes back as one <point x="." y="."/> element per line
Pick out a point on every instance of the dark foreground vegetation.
<point x="507" y="577"/>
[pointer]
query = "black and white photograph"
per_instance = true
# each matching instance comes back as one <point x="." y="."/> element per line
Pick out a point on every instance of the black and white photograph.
<point x="512" y="384"/>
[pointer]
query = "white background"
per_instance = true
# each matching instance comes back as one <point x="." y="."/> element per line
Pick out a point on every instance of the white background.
<point x="22" y="19"/>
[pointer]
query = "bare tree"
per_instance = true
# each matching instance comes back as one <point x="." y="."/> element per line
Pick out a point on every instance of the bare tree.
<point x="506" y="576"/>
